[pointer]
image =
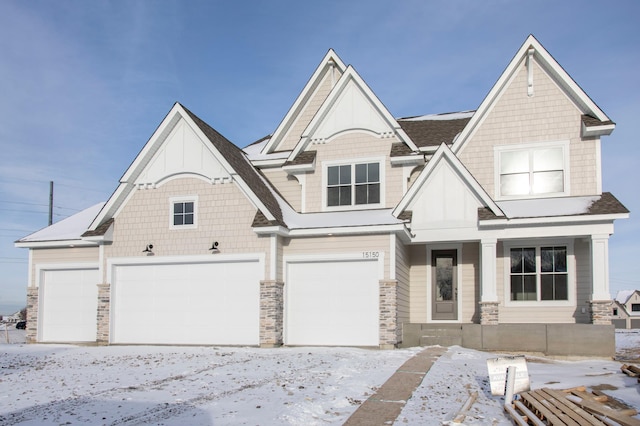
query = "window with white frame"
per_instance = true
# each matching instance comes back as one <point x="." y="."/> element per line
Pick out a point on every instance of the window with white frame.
<point x="539" y="273"/>
<point x="353" y="184"/>
<point x="183" y="213"/>
<point x="532" y="170"/>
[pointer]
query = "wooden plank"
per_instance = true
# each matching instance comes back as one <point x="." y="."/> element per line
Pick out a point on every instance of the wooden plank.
<point x="517" y="418"/>
<point x="579" y="415"/>
<point x="537" y="402"/>
<point x="608" y="412"/>
<point x="531" y="416"/>
<point x="617" y="404"/>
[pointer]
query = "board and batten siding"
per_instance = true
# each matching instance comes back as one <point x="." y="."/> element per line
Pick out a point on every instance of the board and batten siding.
<point x="547" y="116"/>
<point x="62" y="255"/>
<point x="224" y="215"/>
<point x="582" y="252"/>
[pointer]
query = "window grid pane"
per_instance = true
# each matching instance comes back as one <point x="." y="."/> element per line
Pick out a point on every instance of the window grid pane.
<point x="183" y="213"/>
<point x="364" y="190"/>
<point x="532" y="171"/>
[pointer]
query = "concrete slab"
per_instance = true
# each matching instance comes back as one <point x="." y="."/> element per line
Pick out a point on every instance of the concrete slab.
<point x="384" y="407"/>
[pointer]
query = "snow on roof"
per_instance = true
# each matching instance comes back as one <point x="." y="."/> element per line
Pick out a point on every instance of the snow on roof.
<point x="623" y="296"/>
<point x="253" y="151"/>
<point x="544" y="207"/>
<point x="70" y="228"/>
<point x="443" y="116"/>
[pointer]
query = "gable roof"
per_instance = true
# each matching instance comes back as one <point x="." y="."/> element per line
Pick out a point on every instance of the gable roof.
<point x="330" y="60"/>
<point x="532" y="48"/>
<point x="350" y="79"/>
<point x="232" y="159"/>
<point x="444" y="153"/>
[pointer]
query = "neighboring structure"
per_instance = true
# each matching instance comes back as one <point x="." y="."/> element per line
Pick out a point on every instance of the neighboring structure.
<point x="347" y="226"/>
<point x="626" y="309"/>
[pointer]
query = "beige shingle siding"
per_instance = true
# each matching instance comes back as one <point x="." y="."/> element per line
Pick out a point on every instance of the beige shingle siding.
<point x="62" y="255"/>
<point x="293" y="136"/>
<point x="352" y="146"/>
<point x="469" y="283"/>
<point x="224" y="214"/>
<point x="402" y="276"/>
<point x="287" y="185"/>
<point x="418" y="284"/>
<point x="548" y="116"/>
<point x="582" y="251"/>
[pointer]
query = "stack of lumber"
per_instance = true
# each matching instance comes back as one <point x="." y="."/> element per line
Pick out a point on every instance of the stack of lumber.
<point x="631" y="371"/>
<point x="570" y="407"/>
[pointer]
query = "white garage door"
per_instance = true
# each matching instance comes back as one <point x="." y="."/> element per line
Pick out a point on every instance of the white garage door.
<point x="195" y="303"/>
<point x="69" y="305"/>
<point x="332" y="303"/>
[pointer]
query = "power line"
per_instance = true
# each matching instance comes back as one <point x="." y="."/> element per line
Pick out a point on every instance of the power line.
<point x="39" y="205"/>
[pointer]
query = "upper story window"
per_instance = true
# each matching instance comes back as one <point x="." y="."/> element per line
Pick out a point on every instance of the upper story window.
<point x="183" y="212"/>
<point x="533" y="170"/>
<point x="357" y="184"/>
<point x="635" y="307"/>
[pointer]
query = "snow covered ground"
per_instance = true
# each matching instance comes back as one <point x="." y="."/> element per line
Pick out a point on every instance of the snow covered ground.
<point x="120" y="385"/>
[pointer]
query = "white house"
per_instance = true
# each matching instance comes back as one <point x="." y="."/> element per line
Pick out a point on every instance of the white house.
<point x="348" y="226"/>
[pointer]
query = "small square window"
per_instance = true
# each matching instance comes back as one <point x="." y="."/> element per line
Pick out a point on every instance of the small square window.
<point x="183" y="213"/>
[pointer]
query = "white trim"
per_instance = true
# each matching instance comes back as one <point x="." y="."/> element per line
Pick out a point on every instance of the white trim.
<point x="302" y="180"/>
<point x="30" y="283"/>
<point x="538" y="243"/>
<point x="531" y="147"/>
<point x="436" y="247"/>
<point x="353" y="162"/>
<point x="43" y="267"/>
<point x="273" y="257"/>
<point x="598" y="166"/>
<point x="52" y="244"/>
<point x="337" y="257"/>
<point x="599" y="249"/>
<point x="392" y="256"/>
<point x="181" y="260"/>
<point x="488" y="270"/>
<point x="183" y="199"/>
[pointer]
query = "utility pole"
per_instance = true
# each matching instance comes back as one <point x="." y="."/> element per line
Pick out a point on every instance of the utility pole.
<point x="50" y="203"/>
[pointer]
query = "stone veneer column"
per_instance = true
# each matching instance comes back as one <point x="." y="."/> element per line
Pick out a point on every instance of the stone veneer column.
<point x="104" y="306"/>
<point x="601" y="312"/>
<point x="271" y="313"/>
<point x="389" y="328"/>
<point x="32" y="314"/>
<point x="489" y="313"/>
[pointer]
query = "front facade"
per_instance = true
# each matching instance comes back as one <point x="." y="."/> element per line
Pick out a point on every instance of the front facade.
<point x="347" y="226"/>
<point x="626" y="309"/>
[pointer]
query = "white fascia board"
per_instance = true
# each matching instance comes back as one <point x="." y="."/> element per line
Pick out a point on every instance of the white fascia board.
<point x="416" y="159"/>
<point x="56" y="244"/>
<point x="561" y="220"/>
<point x="445" y="153"/>
<point x="501" y="234"/>
<point x="287" y="121"/>
<point x="266" y="164"/>
<point x="350" y="75"/>
<point x="591" y="131"/>
<point x="546" y="60"/>
<point x="300" y="168"/>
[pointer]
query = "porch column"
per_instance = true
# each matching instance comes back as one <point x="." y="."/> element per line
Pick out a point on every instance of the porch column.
<point x="488" y="284"/>
<point x="271" y="313"/>
<point x="103" y="315"/>
<point x="32" y="314"/>
<point x="600" y="296"/>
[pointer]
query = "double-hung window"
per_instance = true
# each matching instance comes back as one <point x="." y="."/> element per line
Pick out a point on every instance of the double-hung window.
<point x="533" y="170"/>
<point x="353" y="184"/>
<point x="539" y="273"/>
<point x="183" y="212"/>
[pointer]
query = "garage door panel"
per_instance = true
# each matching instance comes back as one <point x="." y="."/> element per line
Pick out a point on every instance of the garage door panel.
<point x="69" y="305"/>
<point x="332" y="303"/>
<point x="199" y="303"/>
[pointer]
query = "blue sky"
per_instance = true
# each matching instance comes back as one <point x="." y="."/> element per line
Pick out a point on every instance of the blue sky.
<point x="84" y="84"/>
